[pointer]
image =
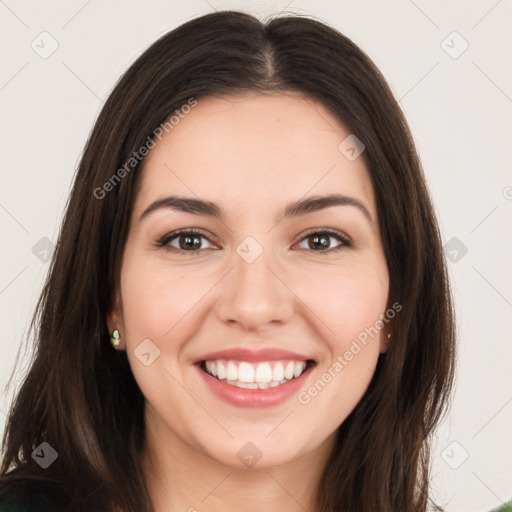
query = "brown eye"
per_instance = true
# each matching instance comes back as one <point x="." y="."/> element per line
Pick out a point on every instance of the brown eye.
<point x="184" y="240"/>
<point x="320" y="241"/>
<point x="189" y="242"/>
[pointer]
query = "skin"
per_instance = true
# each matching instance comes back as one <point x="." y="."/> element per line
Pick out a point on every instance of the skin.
<point x="251" y="154"/>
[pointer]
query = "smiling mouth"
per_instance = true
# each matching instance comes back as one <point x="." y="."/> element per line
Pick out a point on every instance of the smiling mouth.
<point x="268" y="374"/>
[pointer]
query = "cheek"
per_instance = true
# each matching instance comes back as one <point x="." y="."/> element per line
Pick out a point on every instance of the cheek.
<point x="351" y="306"/>
<point x="156" y="297"/>
<point x="348" y="300"/>
<point x="158" y="304"/>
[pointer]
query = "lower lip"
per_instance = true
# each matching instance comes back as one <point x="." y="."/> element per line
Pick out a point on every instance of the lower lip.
<point x="241" y="397"/>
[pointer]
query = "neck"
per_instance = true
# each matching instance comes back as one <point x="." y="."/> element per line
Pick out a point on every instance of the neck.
<point x="182" y="478"/>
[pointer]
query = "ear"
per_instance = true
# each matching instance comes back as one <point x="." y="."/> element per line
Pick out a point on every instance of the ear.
<point x="115" y="318"/>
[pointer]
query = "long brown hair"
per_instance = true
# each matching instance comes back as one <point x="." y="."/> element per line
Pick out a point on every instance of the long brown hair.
<point x="79" y="394"/>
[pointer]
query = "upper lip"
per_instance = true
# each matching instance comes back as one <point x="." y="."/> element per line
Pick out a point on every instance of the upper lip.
<point x="245" y="354"/>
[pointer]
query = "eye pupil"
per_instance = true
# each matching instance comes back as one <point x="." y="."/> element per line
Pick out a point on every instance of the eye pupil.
<point x="324" y="241"/>
<point x="195" y="244"/>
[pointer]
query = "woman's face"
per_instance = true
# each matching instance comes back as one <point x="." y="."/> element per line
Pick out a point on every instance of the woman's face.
<point x="266" y="294"/>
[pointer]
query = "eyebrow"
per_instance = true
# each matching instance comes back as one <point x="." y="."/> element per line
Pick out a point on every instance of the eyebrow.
<point x="296" y="209"/>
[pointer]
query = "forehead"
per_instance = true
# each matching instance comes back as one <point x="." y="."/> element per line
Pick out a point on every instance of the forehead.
<point x="254" y="151"/>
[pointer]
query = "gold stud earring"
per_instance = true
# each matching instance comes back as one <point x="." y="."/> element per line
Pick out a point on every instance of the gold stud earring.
<point x="389" y="336"/>
<point x="115" y="338"/>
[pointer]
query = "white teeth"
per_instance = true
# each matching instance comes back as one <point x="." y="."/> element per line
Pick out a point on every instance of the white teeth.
<point x="245" y="373"/>
<point x="221" y="370"/>
<point x="245" y="385"/>
<point x="255" y="376"/>
<point x="278" y="372"/>
<point x="289" y="371"/>
<point x="264" y="373"/>
<point x="232" y="371"/>
<point x="299" y="368"/>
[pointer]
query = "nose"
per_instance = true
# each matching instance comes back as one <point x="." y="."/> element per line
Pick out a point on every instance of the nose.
<point x="254" y="295"/>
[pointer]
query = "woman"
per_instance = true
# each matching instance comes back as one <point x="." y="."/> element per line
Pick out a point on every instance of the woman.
<point x="248" y="304"/>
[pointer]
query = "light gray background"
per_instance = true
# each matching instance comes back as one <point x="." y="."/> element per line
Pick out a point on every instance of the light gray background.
<point x="459" y="110"/>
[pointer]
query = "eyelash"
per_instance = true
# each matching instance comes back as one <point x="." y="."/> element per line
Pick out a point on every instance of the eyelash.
<point x="164" y="241"/>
